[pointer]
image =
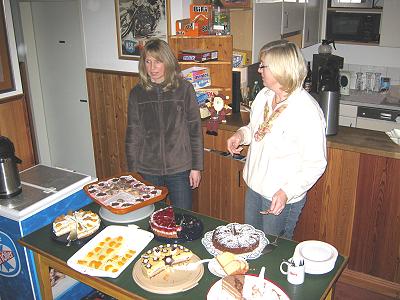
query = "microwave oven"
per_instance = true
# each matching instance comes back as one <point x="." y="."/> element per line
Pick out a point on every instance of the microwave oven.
<point x="352" y="3"/>
<point x="353" y="26"/>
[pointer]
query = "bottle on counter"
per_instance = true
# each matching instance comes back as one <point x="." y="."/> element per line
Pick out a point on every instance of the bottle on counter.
<point x="255" y="90"/>
<point x="307" y="85"/>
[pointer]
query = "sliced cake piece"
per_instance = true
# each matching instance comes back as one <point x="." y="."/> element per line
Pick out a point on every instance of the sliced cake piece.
<point x="233" y="286"/>
<point x="232" y="264"/>
<point x="164" y="257"/>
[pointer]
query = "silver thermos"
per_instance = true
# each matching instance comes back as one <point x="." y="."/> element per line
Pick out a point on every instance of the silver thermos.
<point x="329" y="103"/>
<point x="10" y="183"/>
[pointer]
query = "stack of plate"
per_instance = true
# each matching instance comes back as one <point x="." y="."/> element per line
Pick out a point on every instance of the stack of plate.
<point x="319" y="257"/>
<point x="394" y="135"/>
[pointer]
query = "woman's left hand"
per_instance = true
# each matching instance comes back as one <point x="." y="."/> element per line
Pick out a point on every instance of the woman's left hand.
<point x="194" y="178"/>
<point x="279" y="200"/>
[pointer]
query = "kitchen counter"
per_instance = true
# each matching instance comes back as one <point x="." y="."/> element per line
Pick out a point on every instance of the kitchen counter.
<point x="348" y="138"/>
<point x="375" y="100"/>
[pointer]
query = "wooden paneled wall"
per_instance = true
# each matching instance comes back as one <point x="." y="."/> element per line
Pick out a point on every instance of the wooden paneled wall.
<point x="108" y="104"/>
<point x="14" y="124"/>
<point x="355" y="207"/>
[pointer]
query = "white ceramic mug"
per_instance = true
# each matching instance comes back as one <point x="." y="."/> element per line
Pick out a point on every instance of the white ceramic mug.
<point x="295" y="270"/>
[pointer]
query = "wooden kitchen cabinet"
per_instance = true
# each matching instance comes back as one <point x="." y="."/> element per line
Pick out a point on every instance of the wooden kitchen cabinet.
<point x="222" y="189"/>
<point x="220" y="70"/>
<point x="14" y="124"/>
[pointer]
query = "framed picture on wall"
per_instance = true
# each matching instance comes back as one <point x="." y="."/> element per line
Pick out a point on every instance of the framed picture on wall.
<point x="137" y="21"/>
<point x="6" y="77"/>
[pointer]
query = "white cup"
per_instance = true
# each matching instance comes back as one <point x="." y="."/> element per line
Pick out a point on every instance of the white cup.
<point x="295" y="270"/>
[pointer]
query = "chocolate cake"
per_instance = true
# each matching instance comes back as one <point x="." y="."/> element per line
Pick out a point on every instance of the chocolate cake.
<point x="235" y="238"/>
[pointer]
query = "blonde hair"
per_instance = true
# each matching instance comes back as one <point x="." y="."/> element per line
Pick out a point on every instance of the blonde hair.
<point x="286" y="63"/>
<point x="160" y="50"/>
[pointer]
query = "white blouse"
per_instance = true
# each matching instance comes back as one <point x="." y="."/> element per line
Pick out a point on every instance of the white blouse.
<point x="293" y="155"/>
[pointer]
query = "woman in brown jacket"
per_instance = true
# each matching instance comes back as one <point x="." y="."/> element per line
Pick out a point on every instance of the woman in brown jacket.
<point x="164" y="140"/>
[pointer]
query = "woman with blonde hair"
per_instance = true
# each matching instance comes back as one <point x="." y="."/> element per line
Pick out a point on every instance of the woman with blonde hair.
<point x="286" y="134"/>
<point x="164" y="141"/>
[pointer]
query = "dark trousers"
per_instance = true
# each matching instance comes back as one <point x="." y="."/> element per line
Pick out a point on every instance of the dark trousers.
<point x="178" y="185"/>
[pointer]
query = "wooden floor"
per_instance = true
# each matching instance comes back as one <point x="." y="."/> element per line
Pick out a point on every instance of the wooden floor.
<point x="348" y="292"/>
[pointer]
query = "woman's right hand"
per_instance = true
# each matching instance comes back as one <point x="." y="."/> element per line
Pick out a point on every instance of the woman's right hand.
<point x="233" y="143"/>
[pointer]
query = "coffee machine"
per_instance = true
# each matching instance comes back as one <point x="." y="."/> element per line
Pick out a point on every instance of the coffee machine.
<point x="325" y="72"/>
<point x="326" y="87"/>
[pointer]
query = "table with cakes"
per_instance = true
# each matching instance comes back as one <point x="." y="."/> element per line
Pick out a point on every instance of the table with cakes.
<point x="130" y="244"/>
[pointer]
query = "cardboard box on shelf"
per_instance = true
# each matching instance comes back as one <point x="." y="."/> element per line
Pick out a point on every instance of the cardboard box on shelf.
<point x="187" y="27"/>
<point x="198" y="76"/>
<point x="202" y="15"/>
<point x="195" y="73"/>
<point x="198" y="55"/>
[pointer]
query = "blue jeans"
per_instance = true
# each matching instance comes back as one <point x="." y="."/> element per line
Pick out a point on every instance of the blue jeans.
<point x="271" y="224"/>
<point x="179" y="190"/>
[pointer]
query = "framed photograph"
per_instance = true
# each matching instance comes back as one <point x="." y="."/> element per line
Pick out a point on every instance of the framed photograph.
<point x="6" y="78"/>
<point x="137" y="21"/>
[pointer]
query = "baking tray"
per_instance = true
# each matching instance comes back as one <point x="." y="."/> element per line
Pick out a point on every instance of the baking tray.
<point x="124" y="193"/>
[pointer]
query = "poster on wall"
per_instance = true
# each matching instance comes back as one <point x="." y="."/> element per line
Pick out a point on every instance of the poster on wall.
<point x="6" y="78"/>
<point x="137" y="21"/>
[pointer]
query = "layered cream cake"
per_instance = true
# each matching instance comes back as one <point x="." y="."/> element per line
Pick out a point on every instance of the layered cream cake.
<point x="85" y="221"/>
<point x="160" y="258"/>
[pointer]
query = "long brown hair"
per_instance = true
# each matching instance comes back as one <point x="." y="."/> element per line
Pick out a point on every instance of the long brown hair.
<point x="161" y="51"/>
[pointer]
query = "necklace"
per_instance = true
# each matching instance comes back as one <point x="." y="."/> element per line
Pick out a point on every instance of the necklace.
<point x="265" y="127"/>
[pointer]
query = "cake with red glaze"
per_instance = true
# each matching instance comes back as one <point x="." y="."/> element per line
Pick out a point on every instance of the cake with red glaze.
<point x="162" y="223"/>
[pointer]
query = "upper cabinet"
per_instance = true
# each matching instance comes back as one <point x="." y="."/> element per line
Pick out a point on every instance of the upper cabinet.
<point x="390" y="24"/>
<point x="312" y="21"/>
<point x="292" y="17"/>
<point x="295" y="20"/>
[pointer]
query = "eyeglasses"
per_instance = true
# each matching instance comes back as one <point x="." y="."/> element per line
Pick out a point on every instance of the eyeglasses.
<point x="261" y="66"/>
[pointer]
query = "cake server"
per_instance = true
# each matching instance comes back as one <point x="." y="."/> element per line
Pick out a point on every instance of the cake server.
<point x="192" y="266"/>
<point x="73" y="234"/>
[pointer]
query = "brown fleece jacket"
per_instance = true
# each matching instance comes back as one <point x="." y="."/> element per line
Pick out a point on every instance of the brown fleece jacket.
<point x="164" y="134"/>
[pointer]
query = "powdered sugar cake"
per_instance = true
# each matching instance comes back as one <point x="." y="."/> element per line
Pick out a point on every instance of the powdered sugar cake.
<point x="235" y="238"/>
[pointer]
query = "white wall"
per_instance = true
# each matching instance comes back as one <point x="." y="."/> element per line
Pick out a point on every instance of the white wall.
<point x="100" y="34"/>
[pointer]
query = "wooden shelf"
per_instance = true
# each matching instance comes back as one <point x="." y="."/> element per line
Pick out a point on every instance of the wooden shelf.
<point x="221" y="70"/>
<point x="217" y="62"/>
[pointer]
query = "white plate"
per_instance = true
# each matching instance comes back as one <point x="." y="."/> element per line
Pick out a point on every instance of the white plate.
<point x="136" y="239"/>
<point x="215" y="268"/>
<point x="319" y="257"/>
<point x="270" y="290"/>
<point x="207" y="243"/>
<point x="394" y="135"/>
